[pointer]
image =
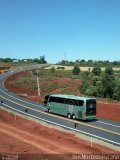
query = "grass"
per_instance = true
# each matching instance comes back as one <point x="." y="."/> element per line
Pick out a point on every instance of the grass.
<point x="16" y="64"/>
<point x="58" y="73"/>
<point x="57" y="82"/>
<point x="27" y="80"/>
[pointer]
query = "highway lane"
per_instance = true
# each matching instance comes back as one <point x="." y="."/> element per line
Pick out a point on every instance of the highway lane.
<point x="102" y="129"/>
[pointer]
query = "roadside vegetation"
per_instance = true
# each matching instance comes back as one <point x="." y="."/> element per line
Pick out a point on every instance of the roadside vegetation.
<point x="96" y="81"/>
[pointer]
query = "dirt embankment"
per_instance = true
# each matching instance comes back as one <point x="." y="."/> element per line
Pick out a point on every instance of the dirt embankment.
<point x="24" y="137"/>
<point x="104" y="110"/>
<point x="109" y="111"/>
<point x="19" y="89"/>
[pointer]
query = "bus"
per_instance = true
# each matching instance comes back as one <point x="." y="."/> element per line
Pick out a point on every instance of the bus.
<point x="74" y="107"/>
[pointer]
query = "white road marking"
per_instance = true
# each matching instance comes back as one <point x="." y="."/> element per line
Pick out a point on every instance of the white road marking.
<point x="21" y="99"/>
<point x="108" y="124"/>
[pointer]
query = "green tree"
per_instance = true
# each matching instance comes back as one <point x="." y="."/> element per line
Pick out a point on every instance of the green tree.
<point x="91" y="90"/>
<point x="85" y="82"/>
<point x="115" y="63"/>
<point x="96" y="70"/>
<point x="116" y="94"/>
<point x="52" y="69"/>
<point x="42" y="60"/>
<point x="109" y="70"/>
<point x="76" y="70"/>
<point x="36" y="60"/>
<point x="90" y="61"/>
<point x="83" y="87"/>
<point x="82" y="60"/>
<point x="7" y="60"/>
<point x="107" y="82"/>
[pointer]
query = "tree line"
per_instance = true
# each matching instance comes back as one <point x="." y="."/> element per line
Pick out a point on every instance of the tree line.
<point x="90" y="63"/>
<point x="40" y="60"/>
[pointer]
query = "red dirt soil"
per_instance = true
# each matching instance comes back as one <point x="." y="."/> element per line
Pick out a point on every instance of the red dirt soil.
<point x="105" y="110"/>
<point x="24" y="137"/>
<point x="109" y="111"/>
<point x="18" y="89"/>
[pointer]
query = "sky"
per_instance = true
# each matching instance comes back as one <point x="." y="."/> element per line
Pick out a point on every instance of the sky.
<point x="60" y="29"/>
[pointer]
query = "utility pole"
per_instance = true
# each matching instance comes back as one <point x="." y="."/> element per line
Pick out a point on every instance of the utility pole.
<point x="38" y="83"/>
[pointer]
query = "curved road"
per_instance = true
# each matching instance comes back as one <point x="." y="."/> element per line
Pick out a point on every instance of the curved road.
<point x="102" y="129"/>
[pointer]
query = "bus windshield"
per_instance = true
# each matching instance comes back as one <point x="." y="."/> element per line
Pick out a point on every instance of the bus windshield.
<point x="45" y="100"/>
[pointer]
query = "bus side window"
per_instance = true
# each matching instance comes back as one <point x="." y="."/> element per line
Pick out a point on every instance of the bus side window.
<point x="52" y="99"/>
<point x="71" y="102"/>
<point x="60" y="100"/>
<point x="57" y="99"/>
<point x="80" y="102"/>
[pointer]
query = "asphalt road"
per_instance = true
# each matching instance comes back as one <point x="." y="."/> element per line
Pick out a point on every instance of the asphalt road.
<point x="102" y="129"/>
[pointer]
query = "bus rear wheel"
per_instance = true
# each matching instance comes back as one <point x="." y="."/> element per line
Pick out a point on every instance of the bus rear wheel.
<point x="49" y="110"/>
<point x="69" y="115"/>
<point x="73" y="116"/>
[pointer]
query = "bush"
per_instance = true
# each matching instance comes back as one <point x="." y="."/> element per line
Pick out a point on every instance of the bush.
<point x="61" y="68"/>
<point x="76" y="70"/>
<point x="34" y="72"/>
<point x="92" y="90"/>
<point x="53" y="69"/>
<point x="109" y="70"/>
<point x="83" y="87"/>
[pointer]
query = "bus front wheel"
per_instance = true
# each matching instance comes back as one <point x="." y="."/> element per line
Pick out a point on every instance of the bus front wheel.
<point x="69" y="115"/>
